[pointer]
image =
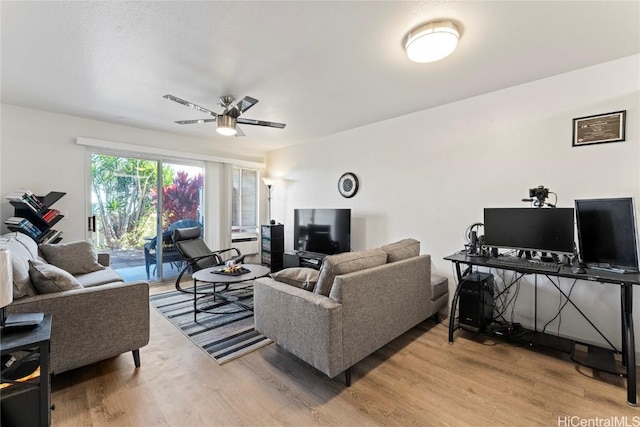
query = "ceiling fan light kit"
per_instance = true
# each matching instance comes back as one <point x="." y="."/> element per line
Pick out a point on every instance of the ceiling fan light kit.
<point x="227" y="121"/>
<point x="226" y="125"/>
<point x="432" y="41"/>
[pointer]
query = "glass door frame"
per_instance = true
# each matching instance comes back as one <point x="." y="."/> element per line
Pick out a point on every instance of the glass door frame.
<point x="161" y="161"/>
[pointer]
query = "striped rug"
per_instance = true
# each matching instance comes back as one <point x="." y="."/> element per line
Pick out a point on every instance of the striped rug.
<point x="226" y="333"/>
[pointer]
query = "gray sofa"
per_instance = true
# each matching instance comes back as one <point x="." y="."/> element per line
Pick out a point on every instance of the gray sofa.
<point x="356" y="304"/>
<point x="100" y="318"/>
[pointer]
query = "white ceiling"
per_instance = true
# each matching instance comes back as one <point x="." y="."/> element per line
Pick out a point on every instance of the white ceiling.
<point x="321" y="67"/>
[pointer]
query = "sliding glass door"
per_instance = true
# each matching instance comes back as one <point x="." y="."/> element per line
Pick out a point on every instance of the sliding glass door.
<point x="135" y="204"/>
<point x="178" y="203"/>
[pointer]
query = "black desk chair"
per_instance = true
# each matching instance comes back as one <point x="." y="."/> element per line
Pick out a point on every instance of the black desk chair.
<point x="197" y="254"/>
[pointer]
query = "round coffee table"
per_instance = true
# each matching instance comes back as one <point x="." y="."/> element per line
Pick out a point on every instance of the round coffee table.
<point x="214" y="276"/>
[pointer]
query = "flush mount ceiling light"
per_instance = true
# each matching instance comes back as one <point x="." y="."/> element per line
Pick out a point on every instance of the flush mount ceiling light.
<point x="432" y="41"/>
<point x="226" y="125"/>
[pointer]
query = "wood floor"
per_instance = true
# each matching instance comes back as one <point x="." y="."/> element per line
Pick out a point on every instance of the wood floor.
<point x="417" y="380"/>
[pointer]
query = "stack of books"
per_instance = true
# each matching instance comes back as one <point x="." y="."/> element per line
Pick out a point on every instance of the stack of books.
<point x="28" y="198"/>
<point x="50" y="236"/>
<point x="50" y="214"/>
<point x="24" y="225"/>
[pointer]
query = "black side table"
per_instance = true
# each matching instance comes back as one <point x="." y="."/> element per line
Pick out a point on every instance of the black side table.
<point x="26" y="403"/>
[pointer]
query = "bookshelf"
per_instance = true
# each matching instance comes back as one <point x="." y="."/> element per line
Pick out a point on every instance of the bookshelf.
<point x="34" y="215"/>
<point x="272" y="246"/>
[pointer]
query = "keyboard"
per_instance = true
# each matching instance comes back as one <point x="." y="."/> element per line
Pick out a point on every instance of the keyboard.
<point x="516" y="263"/>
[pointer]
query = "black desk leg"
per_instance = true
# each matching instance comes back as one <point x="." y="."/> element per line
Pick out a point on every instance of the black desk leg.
<point x="454" y="303"/>
<point x="452" y="316"/>
<point x="628" y="344"/>
<point x="623" y="322"/>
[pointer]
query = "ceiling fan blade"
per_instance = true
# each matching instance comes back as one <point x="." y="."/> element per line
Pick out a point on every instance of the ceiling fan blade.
<point x="189" y="104"/>
<point x="261" y="123"/>
<point x="243" y="105"/>
<point x="239" y="131"/>
<point x="191" y="122"/>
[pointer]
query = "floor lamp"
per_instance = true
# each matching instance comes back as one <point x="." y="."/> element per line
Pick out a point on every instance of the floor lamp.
<point x="269" y="182"/>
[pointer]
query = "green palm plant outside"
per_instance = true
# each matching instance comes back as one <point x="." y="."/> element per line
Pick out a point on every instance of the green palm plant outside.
<point x="122" y="190"/>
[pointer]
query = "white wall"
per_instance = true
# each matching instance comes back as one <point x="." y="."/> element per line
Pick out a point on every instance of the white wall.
<point x="426" y="175"/>
<point x="38" y="151"/>
<point x="429" y="175"/>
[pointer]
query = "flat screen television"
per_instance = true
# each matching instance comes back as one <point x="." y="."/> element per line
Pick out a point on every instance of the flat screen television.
<point x="607" y="235"/>
<point x="324" y="231"/>
<point x="532" y="229"/>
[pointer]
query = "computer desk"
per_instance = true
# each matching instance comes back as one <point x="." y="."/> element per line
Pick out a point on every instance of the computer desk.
<point x="626" y="281"/>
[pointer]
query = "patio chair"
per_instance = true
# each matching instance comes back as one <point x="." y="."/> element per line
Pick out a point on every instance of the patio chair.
<point x="189" y="244"/>
<point x="169" y="252"/>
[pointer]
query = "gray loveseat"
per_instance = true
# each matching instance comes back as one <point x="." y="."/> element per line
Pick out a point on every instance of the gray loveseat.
<point x="356" y="304"/>
<point x="100" y="318"/>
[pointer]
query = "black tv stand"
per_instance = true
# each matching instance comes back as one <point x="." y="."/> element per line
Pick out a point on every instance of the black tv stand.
<point x="303" y="259"/>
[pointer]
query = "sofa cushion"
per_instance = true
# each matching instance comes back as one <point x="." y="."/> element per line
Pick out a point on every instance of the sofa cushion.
<point x="29" y="244"/>
<point x="75" y="257"/>
<point x="48" y="278"/>
<point x="20" y="257"/>
<point x="406" y="248"/>
<point x="97" y="278"/>
<point x="439" y="286"/>
<point x="348" y="262"/>
<point x="300" y="277"/>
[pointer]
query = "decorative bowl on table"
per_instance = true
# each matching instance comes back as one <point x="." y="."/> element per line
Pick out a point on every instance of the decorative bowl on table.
<point x="232" y="270"/>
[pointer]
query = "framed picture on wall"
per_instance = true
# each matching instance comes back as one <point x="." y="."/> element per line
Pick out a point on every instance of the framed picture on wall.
<point x="599" y="129"/>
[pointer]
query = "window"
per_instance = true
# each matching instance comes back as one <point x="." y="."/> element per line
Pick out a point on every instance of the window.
<point x="245" y="201"/>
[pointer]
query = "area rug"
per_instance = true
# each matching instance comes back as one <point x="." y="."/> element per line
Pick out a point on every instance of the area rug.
<point x="226" y="333"/>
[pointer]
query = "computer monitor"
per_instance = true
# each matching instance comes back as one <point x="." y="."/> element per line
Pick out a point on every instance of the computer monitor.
<point x="607" y="233"/>
<point x="532" y="229"/>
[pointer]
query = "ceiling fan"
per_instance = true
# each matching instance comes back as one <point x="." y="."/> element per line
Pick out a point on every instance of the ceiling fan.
<point x="230" y="117"/>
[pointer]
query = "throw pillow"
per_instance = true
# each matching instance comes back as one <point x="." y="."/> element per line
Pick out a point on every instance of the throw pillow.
<point x="404" y="249"/>
<point x="300" y="277"/>
<point x="75" y="257"/>
<point x="29" y="244"/>
<point x="344" y="263"/>
<point x="47" y="278"/>
<point x="19" y="265"/>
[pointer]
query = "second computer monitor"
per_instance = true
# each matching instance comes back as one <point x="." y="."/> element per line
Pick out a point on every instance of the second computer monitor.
<point x="607" y="232"/>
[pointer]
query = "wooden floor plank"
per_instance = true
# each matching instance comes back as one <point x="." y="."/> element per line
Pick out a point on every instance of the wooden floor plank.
<point x="416" y="380"/>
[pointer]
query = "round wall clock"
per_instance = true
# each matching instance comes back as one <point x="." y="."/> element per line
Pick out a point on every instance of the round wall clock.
<point x="348" y="185"/>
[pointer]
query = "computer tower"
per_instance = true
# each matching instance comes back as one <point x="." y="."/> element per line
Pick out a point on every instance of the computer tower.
<point x="476" y="301"/>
